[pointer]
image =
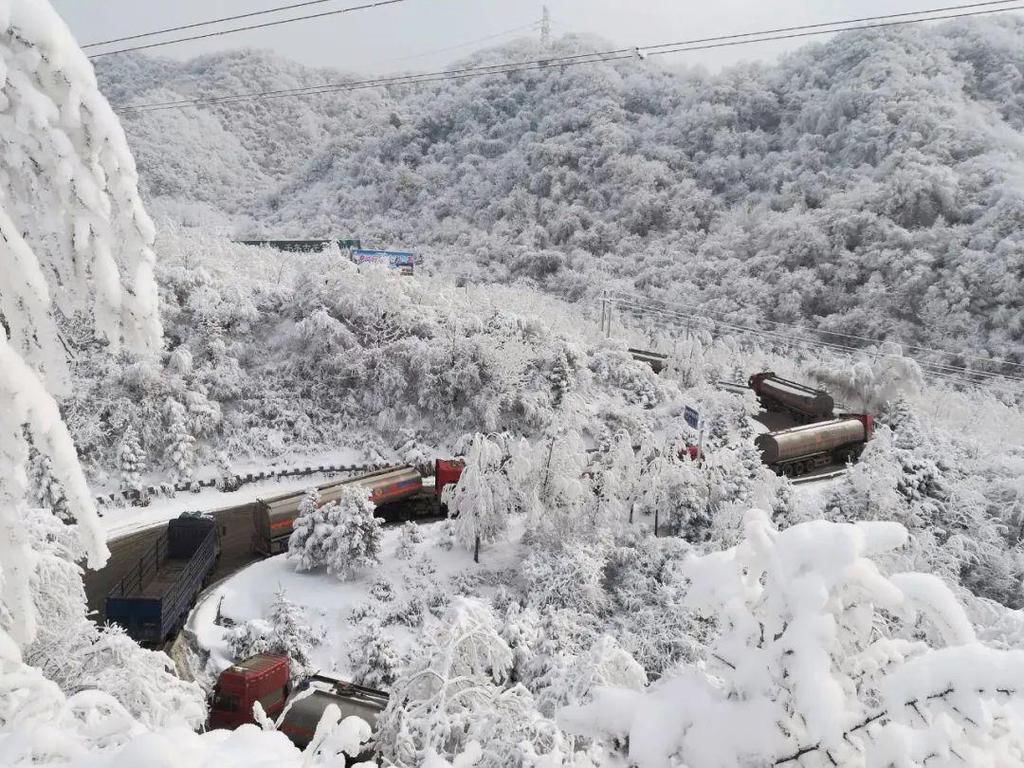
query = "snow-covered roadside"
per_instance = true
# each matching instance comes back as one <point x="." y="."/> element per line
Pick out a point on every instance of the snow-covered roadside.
<point x="123" y="521"/>
<point x="328" y="602"/>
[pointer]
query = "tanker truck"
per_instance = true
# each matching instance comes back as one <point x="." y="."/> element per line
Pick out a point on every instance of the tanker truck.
<point x="296" y="706"/>
<point x="797" y="451"/>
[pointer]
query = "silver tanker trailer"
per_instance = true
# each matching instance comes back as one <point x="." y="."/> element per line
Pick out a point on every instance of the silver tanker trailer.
<point x="803" y="402"/>
<point x="802" y="449"/>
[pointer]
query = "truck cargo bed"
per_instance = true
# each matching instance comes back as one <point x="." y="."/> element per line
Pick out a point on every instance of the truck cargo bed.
<point x="164" y="579"/>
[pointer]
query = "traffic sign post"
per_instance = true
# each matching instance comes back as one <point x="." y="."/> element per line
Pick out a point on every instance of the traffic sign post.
<point x="692" y="417"/>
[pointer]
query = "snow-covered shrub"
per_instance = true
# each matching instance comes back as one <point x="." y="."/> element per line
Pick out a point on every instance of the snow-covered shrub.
<point x="454" y="675"/>
<point x="804" y="663"/>
<point x="565" y="578"/>
<point x="373" y="657"/>
<point x="409" y="537"/>
<point x="249" y="638"/>
<point x="382" y="590"/>
<point x="284" y="630"/>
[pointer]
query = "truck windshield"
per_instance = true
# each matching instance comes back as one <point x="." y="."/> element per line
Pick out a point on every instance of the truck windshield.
<point x="225" y="702"/>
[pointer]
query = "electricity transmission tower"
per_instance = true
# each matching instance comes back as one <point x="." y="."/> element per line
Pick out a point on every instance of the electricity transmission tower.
<point x="545" y="28"/>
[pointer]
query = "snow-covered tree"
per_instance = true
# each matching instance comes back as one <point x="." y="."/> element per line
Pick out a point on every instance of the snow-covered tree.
<point x="46" y="488"/>
<point x="481" y="501"/>
<point x="180" y="451"/>
<point x="455" y="674"/>
<point x="373" y="657"/>
<point x="819" y="656"/>
<point x="284" y="630"/>
<point x="344" y="535"/>
<point x="356" y="543"/>
<point x="131" y="460"/>
<point x="304" y="546"/>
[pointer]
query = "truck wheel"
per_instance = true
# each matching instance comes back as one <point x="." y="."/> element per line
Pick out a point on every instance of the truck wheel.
<point x="788" y="470"/>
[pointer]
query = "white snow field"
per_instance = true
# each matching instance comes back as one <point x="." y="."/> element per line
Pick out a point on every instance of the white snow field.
<point x="328" y="602"/>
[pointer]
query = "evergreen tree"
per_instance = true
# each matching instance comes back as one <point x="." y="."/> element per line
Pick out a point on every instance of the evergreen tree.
<point x="48" y="491"/>
<point x="301" y="548"/>
<point x="342" y="536"/>
<point x="131" y="460"/>
<point x="180" y="452"/>
<point x="373" y="656"/>
<point x="355" y="542"/>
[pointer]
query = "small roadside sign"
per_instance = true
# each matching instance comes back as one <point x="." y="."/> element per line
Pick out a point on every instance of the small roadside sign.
<point x="691" y="417"/>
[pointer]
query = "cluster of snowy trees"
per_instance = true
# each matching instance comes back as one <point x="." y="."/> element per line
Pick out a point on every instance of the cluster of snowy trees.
<point x="320" y="353"/>
<point x="799" y="191"/>
<point x="75" y="241"/>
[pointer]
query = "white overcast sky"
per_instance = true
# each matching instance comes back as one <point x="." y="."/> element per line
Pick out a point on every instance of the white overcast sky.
<point x="410" y="34"/>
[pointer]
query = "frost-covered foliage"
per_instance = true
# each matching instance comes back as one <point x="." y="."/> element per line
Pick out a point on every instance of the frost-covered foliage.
<point x="410" y="537"/>
<point x="453" y="693"/>
<point x="46" y="488"/>
<point x="181" y="445"/>
<point x="282" y="362"/>
<point x="342" y="536"/>
<point x="373" y="657"/>
<point x="131" y="460"/>
<point x="482" y="500"/>
<point x="869" y="185"/>
<point x="816" y="651"/>
<point x="284" y="630"/>
<point x="79" y="656"/>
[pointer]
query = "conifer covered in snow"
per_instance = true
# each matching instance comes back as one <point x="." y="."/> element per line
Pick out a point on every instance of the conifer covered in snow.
<point x="373" y="657"/>
<point x="46" y="488"/>
<point x="180" y="452"/>
<point x="302" y="547"/>
<point x="356" y="543"/>
<point x="284" y="630"/>
<point x="131" y="460"/>
<point x="343" y="536"/>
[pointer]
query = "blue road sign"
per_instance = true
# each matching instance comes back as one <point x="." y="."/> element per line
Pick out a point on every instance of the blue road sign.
<point x="691" y="416"/>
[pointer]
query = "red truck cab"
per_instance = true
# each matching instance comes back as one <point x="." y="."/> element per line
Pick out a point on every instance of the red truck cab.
<point x="264" y="678"/>
<point x="447" y="472"/>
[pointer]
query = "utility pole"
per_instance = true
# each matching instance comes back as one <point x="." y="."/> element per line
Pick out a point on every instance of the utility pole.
<point x="545" y="29"/>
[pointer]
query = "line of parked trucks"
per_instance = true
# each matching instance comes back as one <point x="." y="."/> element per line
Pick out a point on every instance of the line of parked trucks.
<point x="153" y="600"/>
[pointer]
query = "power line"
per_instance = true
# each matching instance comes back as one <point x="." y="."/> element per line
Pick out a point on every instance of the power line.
<point x="197" y="24"/>
<point x="248" y="27"/>
<point x="941" y="370"/>
<point x="598" y="56"/>
<point x="522" y="27"/>
<point x="837" y="334"/>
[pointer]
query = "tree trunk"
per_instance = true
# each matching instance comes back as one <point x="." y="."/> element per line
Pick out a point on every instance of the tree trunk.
<point x="476" y="549"/>
<point x="655" y="521"/>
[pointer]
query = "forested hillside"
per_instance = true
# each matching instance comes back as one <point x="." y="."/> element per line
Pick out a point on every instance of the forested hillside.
<point x="872" y="184"/>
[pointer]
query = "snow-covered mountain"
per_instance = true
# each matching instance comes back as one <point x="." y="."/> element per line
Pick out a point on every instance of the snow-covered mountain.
<point x="873" y="184"/>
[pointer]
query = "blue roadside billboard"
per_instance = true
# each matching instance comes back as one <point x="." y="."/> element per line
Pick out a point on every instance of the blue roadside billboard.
<point x="401" y="260"/>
